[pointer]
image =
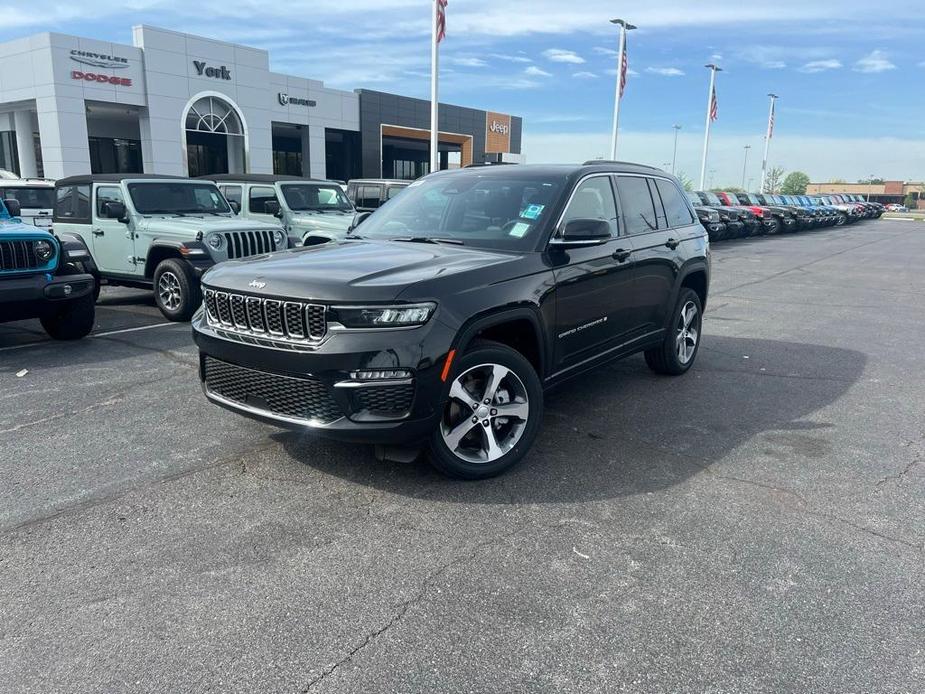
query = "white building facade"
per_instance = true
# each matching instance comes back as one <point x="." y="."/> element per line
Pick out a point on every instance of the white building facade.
<point x="171" y="103"/>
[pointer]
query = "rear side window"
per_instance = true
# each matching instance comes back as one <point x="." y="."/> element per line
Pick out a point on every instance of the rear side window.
<point x="677" y="208"/>
<point x="637" y="205"/>
<point x="259" y="196"/>
<point x="72" y="204"/>
<point x="368" y="196"/>
<point x="232" y="193"/>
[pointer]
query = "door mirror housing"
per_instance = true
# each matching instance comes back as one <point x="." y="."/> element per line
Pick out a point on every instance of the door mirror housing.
<point x="358" y="219"/>
<point x="115" y="210"/>
<point x="272" y="207"/>
<point x="235" y="206"/>
<point x="13" y="207"/>
<point x="583" y="232"/>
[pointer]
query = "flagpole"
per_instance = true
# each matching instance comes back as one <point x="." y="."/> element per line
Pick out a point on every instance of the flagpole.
<point x="434" y="104"/>
<point x="767" y="142"/>
<point x="706" y="137"/>
<point x="621" y="56"/>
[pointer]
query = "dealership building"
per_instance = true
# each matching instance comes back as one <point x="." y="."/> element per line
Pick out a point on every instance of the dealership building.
<point x="179" y="104"/>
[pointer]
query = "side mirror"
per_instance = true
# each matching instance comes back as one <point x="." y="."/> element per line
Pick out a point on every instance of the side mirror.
<point x="583" y="232"/>
<point x="235" y="206"/>
<point x="13" y="207"/>
<point x="358" y="219"/>
<point x="114" y="210"/>
<point x="271" y="207"/>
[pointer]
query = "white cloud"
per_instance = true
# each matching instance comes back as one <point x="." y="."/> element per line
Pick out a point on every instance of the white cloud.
<point x="512" y="58"/>
<point x="584" y="75"/>
<point x="468" y="62"/>
<point x="873" y="62"/>
<point x="665" y="71"/>
<point x="815" y="66"/>
<point x="773" y="64"/>
<point x="559" y="55"/>
<point x="600" y="50"/>
<point x="534" y="71"/>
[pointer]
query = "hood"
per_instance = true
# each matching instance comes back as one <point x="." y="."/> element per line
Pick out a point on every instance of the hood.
<point x="331" y="223"/>
<point x="191" y="225"/>
<point x="353" y="271"/>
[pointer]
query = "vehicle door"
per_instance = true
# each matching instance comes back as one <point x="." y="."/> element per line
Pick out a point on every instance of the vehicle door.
<point x="594" y="283"/>
<point x="257" y="198"/>
<point x="234" y="194"/>
<point x="113" y="241"/>
<point x="659" y="221"/>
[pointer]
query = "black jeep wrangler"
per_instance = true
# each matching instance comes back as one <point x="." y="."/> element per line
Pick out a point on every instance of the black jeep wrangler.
<point x="443" y="317"/>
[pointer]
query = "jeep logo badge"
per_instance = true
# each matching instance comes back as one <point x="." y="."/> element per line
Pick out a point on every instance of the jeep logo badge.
<point x="497" y="127"/>
<point x="257" y="284"/>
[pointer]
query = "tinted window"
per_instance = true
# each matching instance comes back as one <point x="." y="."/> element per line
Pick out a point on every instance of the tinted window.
<point x="106" y="194"/>
<point x="165" y="197"/>
<point x="368" y="196"/>
<point x="394" y="190"/>
<point x="311" y="196"/>
<point x="72" y="203"/>
<point x="30" y="197"/>
<point x="232" y="193"/>
<point x="259" y="197"/>
<point x="636" y="204"/>
<point x="676" y="208"/>
<point x="593" y="199"/>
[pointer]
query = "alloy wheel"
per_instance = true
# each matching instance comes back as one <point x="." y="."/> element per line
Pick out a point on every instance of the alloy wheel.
<point x="486" y="414"/>
<point x="168" y="290"/>
<point x="687" y="332"/>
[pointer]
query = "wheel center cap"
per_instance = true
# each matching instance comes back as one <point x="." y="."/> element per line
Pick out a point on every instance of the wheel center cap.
<point x="482" y="412"/>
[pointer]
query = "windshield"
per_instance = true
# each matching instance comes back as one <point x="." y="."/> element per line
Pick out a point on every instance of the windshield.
<point x="753" y="199"/>
<point x="30" y="197"/>
<point x="491" y="211"/>
<point x="694" y="199"/>
<point x="165" y="197"/>
<point x="303" y="197"/>
<point x="712" y="199"/>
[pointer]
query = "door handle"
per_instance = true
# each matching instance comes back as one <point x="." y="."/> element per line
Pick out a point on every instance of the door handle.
<point x="621" y="254"/>
<point x="672" y="243"/>
<point x="98" y="232"/>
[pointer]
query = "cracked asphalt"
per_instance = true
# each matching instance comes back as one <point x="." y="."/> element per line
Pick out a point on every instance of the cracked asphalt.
<point x="754" y="526"/>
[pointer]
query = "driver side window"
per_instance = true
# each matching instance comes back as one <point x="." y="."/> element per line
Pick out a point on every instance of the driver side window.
<point x="106" y="194"/>
<point x="258" y="198"/>
<point x="593" y="199"/>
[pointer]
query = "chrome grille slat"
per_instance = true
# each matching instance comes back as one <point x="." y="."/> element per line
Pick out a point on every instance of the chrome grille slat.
<point x="295" y="322"/>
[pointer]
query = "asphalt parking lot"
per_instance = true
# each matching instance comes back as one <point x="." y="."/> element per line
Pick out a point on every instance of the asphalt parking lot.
<point x="757" y="525"/>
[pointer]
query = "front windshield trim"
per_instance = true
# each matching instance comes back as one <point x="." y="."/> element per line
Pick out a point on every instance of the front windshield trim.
<point x="220" y="206"/>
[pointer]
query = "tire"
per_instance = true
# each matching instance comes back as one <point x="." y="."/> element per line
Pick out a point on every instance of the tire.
<point x="462" y="445"/>
<point x="667" y="358"/>
<point x="71" y="320"/>
<point x="176" y="290"/>
<point x="842" y="220"/>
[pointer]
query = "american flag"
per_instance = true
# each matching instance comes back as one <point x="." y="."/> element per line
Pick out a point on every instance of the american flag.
<point x="771" y="122"/>
<point x="714" y="107"/>
<point x="624" y="65"/>
<point x="441" y="20"/>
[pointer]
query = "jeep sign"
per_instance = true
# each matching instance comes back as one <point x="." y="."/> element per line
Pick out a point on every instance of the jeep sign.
<point x="500" y="128"/>
<point x="497" y="133"/>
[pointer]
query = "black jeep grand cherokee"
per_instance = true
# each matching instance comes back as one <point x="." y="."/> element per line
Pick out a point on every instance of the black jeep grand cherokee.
<point x="445" y="315"/>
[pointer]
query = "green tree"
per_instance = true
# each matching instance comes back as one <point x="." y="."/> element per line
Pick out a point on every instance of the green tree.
<point x="909" y="201"/>
<point x="773" y="179"/>
<point x="686" y="181"/>
<point x="795" y="183"/>
<point x="872" y="181"/>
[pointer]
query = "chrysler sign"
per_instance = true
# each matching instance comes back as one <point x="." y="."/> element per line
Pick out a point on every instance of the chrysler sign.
<point x="286" y="100"/>
<point x="98" y="59"/>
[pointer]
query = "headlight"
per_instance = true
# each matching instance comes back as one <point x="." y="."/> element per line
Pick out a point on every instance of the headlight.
<point x="216" y="241"/>
<point x="384" y="316"/>
<point x="279" y="238"/>
<point x="43" y="250"/>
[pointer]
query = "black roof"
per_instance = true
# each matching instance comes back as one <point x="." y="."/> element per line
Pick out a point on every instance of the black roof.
<point x="113" y="178"/>
<point x="405" y="181"/>
<point x="532" y="170"/>
<point x="258" y="178"/>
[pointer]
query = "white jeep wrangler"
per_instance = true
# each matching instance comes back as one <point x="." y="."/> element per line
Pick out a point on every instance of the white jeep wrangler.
<point x="157" y="232"/>
<point x="36" y="197"/>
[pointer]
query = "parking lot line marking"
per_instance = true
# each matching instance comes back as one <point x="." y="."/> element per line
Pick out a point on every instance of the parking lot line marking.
<point x="91" y="336"/>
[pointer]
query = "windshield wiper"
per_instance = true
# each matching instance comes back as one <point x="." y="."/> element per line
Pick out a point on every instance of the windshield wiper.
<point x="427" y="239"/>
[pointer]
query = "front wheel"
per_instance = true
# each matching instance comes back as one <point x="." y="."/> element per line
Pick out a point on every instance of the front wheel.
<point x="492" y="413"/>
<point x="176" y="290"/>
<point x="71" y="320"/>
<point x="677" y="352"/>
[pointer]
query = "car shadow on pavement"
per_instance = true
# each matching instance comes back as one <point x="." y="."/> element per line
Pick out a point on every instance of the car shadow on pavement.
<point x="622" y="430"/>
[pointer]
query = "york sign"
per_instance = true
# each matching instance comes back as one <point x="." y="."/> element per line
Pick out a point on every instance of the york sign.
<point x="221" y="73"/>
<point x="498" y="127"/>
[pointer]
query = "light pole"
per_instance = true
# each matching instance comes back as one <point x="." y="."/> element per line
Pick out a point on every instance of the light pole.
<point x="767" y="141"/>
<point x="621" y="76"/>
<point x="674" y="156"/>
<point x="711" y="110"/>
<point x="745" y="165"/>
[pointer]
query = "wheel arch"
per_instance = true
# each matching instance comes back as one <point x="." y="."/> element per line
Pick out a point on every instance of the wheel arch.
<point x="520" y="328"/>
<point x="161" y="250"/>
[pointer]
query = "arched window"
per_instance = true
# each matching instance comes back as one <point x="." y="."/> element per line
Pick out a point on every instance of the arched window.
<point x="213" y="115"/>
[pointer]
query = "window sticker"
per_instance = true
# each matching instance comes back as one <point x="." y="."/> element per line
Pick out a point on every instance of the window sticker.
<point x="519" y="230"/>
<point x="532" y="211"/>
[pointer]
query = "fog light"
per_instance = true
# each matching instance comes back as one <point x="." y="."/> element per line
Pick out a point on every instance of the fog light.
<point x="381" y="374"/>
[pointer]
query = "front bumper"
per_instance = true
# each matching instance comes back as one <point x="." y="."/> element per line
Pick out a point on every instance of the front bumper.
<point x="32" y="296"/>
<point x="312" y="389"/>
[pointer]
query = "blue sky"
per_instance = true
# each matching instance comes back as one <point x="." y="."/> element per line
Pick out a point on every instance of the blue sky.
<point x="850" y="74"/>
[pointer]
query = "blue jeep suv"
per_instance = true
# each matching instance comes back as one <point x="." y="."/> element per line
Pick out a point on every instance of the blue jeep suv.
<point x="41" y="278"/>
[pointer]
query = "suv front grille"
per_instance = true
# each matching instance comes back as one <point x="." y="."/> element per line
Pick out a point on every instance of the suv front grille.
<point x="242" y="244"/>
<point x="305" y="399"/>
<point x="385" y="401"/>
<point x="287" y="321"/>
<point x="18" y="255"/>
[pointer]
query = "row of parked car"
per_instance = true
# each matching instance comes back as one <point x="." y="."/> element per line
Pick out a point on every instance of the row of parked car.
<point x="61" y="240"/>
<point x="738" y="215"/>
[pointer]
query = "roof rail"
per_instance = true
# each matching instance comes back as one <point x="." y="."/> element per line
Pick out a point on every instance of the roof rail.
<point x="592" y="162"/>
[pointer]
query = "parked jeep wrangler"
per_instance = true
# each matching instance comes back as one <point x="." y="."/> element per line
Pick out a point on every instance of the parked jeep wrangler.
<point x="310" y="211"/>
<point x="38" y="279"/>
<point x="446" y="315"/>
<point x="157" y="232"/>
<point x="369" y="194"/>
<point x="36" y="197"/>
